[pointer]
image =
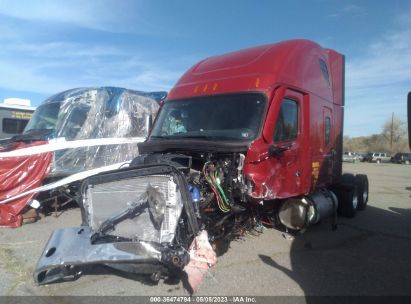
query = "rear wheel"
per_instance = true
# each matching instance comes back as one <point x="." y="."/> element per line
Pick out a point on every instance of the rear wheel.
<point x="361" y="183"/>
<point x="347" y="194"/>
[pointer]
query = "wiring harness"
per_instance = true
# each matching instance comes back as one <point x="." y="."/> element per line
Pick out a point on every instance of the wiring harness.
<point x="211" y="172"/>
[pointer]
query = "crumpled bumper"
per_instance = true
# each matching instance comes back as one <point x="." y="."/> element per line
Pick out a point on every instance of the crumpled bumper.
<point x="69" y="248"/>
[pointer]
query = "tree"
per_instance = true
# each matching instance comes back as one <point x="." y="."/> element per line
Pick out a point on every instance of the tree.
<point x="394" y="132"/>
<point x="393" y="138"/>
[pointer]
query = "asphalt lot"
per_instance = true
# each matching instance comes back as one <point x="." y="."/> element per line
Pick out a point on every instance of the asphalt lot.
<point x="367" y="255"/>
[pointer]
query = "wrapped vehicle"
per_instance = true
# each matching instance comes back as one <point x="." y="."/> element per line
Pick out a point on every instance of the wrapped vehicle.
<point x="72" y="132"/>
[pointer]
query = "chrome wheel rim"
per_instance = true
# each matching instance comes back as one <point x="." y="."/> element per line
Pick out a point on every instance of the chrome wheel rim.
<point x="365" y="195"/>
<point x="355" y="199"/>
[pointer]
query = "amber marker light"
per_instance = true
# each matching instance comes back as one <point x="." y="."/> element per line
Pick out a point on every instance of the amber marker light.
<point x="257" y="82"/>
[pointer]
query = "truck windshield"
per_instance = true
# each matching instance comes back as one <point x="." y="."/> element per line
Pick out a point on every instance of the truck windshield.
<point x="236" y="117"/>
<point x="44" y="118"/>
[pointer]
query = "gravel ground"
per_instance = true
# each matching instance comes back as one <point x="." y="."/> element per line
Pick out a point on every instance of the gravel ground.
<point x="367" y="255"/>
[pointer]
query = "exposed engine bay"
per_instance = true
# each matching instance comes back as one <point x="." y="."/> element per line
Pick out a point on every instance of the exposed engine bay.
<point x="217" y="189"/>
<point x="144" y="218"/>
<point x="165" y="214"/>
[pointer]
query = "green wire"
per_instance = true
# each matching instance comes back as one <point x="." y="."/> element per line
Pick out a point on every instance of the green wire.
<point x="225" y="200"/>
<point x="223" y="206"/>
<point x="212" y="184"/>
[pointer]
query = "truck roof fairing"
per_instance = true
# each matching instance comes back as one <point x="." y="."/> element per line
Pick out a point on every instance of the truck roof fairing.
<point x="260" y="68"/>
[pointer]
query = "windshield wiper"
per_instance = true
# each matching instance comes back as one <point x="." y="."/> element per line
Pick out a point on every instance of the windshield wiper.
<point x="209" y="137"/>
<point x="182" y="136"/>
<point x="197" y="136"/>
<point x="160" y="137"/>
<point x="35" y="134"/>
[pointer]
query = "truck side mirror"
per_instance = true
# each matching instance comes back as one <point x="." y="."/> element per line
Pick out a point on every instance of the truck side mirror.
<point x="277" y="151"/>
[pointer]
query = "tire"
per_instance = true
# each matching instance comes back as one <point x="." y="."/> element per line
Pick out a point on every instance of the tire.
<point x="361" y="183"/>
<point x="347" y="195"/>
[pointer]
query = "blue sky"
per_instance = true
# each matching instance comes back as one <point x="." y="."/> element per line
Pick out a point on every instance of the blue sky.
<point x="47" y="46"/>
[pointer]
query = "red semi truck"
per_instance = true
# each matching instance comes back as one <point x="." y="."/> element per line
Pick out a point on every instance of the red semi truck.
<point x="249" y="137"/>
<point x="279" y="105"/>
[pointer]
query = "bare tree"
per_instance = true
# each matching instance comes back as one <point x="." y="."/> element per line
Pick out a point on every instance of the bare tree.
<point x="392" y="139"/>
<point x="394" y="131"/>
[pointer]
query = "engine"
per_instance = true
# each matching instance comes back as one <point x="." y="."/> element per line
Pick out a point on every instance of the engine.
<point x="217" y="188"/>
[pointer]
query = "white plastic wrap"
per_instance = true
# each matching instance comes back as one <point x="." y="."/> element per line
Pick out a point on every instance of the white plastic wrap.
<point x="103" y="113"/>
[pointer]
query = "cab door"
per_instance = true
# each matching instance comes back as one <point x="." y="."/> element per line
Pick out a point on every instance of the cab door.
<point x="288" y="150"/>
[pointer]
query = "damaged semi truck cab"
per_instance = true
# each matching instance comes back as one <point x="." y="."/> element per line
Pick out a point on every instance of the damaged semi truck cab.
<point x="271" y="118"/>
<point x="245" y="138"/>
